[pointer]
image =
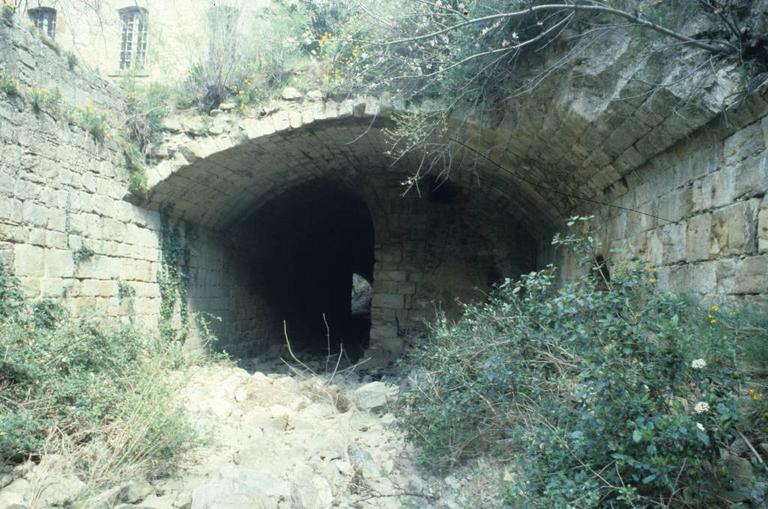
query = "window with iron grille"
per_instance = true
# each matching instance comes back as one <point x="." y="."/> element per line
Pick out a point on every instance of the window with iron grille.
<point x="44" y="19"/>
<point x="133" y="41"/>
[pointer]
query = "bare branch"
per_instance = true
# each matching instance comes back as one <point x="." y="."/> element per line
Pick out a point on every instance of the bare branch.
<point x="718" y="47"/>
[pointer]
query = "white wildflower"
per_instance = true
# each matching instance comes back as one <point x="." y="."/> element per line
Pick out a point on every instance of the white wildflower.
<point x="700" y="426"/>
<point x="701" y="407"/>
<point x="699" y="364"/>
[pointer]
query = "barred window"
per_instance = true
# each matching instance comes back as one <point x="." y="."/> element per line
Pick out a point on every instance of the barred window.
<point x="44" y="19"/>
<point x="133" y="43"/>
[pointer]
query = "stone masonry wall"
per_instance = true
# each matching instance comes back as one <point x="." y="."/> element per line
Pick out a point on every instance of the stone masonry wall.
<point x="710" y="196"/>
<point x="434" y="254"/>
<point x="65" y="228"/>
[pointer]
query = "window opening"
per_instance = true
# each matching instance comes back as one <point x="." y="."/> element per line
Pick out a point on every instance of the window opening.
<point x="133" y="45"/>
<point x="44" y="19"/>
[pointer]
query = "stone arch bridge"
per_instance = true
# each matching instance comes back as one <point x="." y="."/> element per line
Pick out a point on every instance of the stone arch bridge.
<point x="300" y="199"/>
<point x="277" y="211"/>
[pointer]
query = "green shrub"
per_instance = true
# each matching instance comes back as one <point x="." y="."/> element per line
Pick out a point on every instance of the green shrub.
<point x="251" y="56"/>
<point x="133" y="158"/>
<point x="11" y="298"/>
<point x="137" y="183"/>
<point x="93" y="121"/>
<point x="8" y="11"/>
<point x="18" y="435"/>
<point x="146" y="110"/>
<point x="88" y="383"/>
<point x="45" y="100"/>
<point x="38" y="98"/>
<point x="606" y="393"/>
<point x="248" y="92"/>
<point x="9" y="86"/>
<point x="71" y="60"/>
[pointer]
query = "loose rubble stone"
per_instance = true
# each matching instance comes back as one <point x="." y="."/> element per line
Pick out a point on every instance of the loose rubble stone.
<point x="310" y="491"/>
<point x="135" y="491"/>
<point x="291" y="94"/>
<point x="58" y="491"/>
<point x="374" y="396"/>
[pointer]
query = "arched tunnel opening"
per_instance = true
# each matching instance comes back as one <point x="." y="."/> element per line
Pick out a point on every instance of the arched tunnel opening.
<point x="329" y="245"/>
<point x="307" y="246"/>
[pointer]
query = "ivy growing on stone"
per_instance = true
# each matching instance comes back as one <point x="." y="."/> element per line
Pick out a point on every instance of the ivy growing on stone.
<point x="82" y="254"/>
<point x="173" y="279"/>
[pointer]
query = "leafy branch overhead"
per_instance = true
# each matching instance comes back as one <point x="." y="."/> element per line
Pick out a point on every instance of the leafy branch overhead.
<point x="474" y="57"/>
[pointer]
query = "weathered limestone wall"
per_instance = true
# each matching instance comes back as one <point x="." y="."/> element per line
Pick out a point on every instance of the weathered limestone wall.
<point x="429" y="250"/>
<point x="24" y="56"/>
<point x="429" y="253"/>
<point x="221" y="290"/>
<point x="430" y="247"/>
<point x="65" y="229"/>
<point x="437" y="250"/>
<point x="709" y="196"/>
<point x="177" y="29"/>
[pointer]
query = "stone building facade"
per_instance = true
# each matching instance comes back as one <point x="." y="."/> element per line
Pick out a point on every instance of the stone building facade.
<point x="275" y="211"/>
<point x="156" y="40"/>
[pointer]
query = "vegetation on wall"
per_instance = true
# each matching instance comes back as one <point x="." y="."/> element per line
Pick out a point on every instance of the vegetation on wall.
<point x="101" y="393"/>
<point x="81" y="255"/>
<point x="251" y="57"/>
<point x="605" y="392"/>
<point x="7" y="12"/>
<point x="45" y="100"/>
<point x="173" y="280"/>
<point x="470" y="58"/>
<point x="473" y="58"/>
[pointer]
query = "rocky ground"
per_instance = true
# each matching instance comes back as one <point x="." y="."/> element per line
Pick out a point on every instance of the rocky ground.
<point x="276" y="439"/>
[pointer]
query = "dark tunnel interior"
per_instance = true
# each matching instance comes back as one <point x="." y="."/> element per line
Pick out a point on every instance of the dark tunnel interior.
<point x="306" y="245"/>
